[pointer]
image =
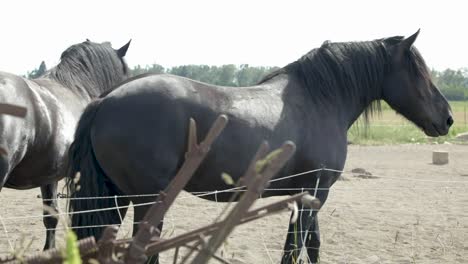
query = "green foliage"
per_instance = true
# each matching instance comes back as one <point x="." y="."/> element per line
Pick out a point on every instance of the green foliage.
<point x="391" y="128"/>
<point x="36" y="73"/>
<point x="72" y="254"/>
<point x="261" y="164"/>
<point x="227" y="179"/>
<point x="225" y="75"/>
<point x="452" y="83"/>
<point x="247" y="75"/>
<point x="154" y="68"/>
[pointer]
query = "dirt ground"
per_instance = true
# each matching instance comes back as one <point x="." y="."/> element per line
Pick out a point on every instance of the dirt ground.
<point x="411" y="212"/>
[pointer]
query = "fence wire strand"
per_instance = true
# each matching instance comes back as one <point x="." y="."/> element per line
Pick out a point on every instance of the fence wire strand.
<point x="231" y="190"/>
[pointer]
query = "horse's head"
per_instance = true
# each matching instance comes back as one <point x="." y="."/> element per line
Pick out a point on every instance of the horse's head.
<point x="409" y="90"/>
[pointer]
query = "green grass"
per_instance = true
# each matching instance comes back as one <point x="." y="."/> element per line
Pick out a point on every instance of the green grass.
<point x="391" y="128"/>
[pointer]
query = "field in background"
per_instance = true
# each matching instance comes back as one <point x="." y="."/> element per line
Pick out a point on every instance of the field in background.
<point x="390" y="128"/>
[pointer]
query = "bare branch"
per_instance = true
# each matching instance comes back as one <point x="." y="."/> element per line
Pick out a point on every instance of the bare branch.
<point x="257" y="182"/>
<point x="13" y="110"/>
<point x="193" y="158"/>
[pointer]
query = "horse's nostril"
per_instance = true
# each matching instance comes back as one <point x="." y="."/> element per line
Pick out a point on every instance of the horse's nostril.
<point x="450" y="121"/>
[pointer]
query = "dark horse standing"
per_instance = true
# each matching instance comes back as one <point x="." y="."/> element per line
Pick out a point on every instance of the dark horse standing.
<point x="132" y="140"/>
<point x="35" y="146"/>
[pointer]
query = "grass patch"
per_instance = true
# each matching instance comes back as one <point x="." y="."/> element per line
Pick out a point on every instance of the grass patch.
<point x="390" y="128"/>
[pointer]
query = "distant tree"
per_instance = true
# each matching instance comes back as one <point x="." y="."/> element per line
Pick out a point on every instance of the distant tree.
<point x="184" y="71"/>
<point x="137" y="70"/>
<point x="36" y="73"/>
<point x="452" y="83"/>
<point x="154" y="68"/>
<point x="251" y="75"/>
<point x="226" y="75"/>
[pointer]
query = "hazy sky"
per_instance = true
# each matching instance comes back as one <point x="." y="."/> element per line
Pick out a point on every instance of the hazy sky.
<point x="219" y="32"/>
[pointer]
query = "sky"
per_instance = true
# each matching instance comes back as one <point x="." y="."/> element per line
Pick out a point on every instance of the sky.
<point x="268" y="33"/>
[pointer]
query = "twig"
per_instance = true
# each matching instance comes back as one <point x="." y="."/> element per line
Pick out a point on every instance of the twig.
<point x="257" y="181"/>
<point x="13" y="110"/>
<point x="163" y="245"/>
<point x="261" y="152"/>
<point x="218" y="258"/>
<point x="193" y="158"/>
<point x="266" y="248"/>
<point x="192" y="250"/>
<point x="106" y="246"/>
<point x="86" y="246"/>
<point x="6" y="234"/>
<point x="176" y="255"/>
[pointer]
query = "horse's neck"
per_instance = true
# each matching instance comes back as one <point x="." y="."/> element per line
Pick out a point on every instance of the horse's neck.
<point x="57" y="109"/>
<point x="344" y="111"/>
<point x="50" y="87"/>
<point x="80" y="86"/>
<point x="352" y="105"/>
<point x="356" y="110"/>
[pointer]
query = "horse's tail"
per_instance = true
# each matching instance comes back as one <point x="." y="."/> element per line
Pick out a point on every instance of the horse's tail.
<point x="90" y="189"/>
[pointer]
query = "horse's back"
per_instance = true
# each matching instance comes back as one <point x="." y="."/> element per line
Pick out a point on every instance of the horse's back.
<point x="140" y="132"/>
<point x="14" y="89"/>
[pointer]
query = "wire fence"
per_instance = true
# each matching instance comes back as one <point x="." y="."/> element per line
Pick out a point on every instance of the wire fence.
<point x="265" y="239"/>
<point x="201" y="194"/>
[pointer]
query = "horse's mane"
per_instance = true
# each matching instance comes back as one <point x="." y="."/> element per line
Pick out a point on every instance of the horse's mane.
<point x="349" y="70"/>
<point x="89" y="67"/>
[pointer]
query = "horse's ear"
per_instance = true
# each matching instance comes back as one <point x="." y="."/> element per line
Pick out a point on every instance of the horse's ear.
<point x="406" y="43"/>
<point x="123" y="50"/>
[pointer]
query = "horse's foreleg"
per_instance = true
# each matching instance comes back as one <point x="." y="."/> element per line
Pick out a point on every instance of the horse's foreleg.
<point x="312" y="241"/>
<point x="296" y="237"/>
<point x="49" y="201"/>
<point x="304" y="232"/>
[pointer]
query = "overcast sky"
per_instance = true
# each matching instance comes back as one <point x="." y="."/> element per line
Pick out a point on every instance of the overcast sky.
<point x="217" y="32"/>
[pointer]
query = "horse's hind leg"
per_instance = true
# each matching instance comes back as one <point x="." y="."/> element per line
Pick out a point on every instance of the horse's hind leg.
<point x="49" y="201"/>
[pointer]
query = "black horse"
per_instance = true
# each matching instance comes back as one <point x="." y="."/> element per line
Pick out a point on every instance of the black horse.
<point x="132" y="140"/>
<point x="35" y="146"/>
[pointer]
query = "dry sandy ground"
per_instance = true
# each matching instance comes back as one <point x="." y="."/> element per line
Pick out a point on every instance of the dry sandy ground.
<point x="414" y="212"/>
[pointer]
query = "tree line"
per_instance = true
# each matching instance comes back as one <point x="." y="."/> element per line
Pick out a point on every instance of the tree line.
<point x="452" y="83"/>
<point x="226" y="75"/>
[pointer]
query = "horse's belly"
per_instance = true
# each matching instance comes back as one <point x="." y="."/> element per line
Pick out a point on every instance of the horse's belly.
<point x="32" y="174"/>
<point x="25" y="182"/>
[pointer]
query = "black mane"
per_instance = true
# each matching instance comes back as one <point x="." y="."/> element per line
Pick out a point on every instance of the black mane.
<point x="339" y="70"/>
<point x="89" y="68"/>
